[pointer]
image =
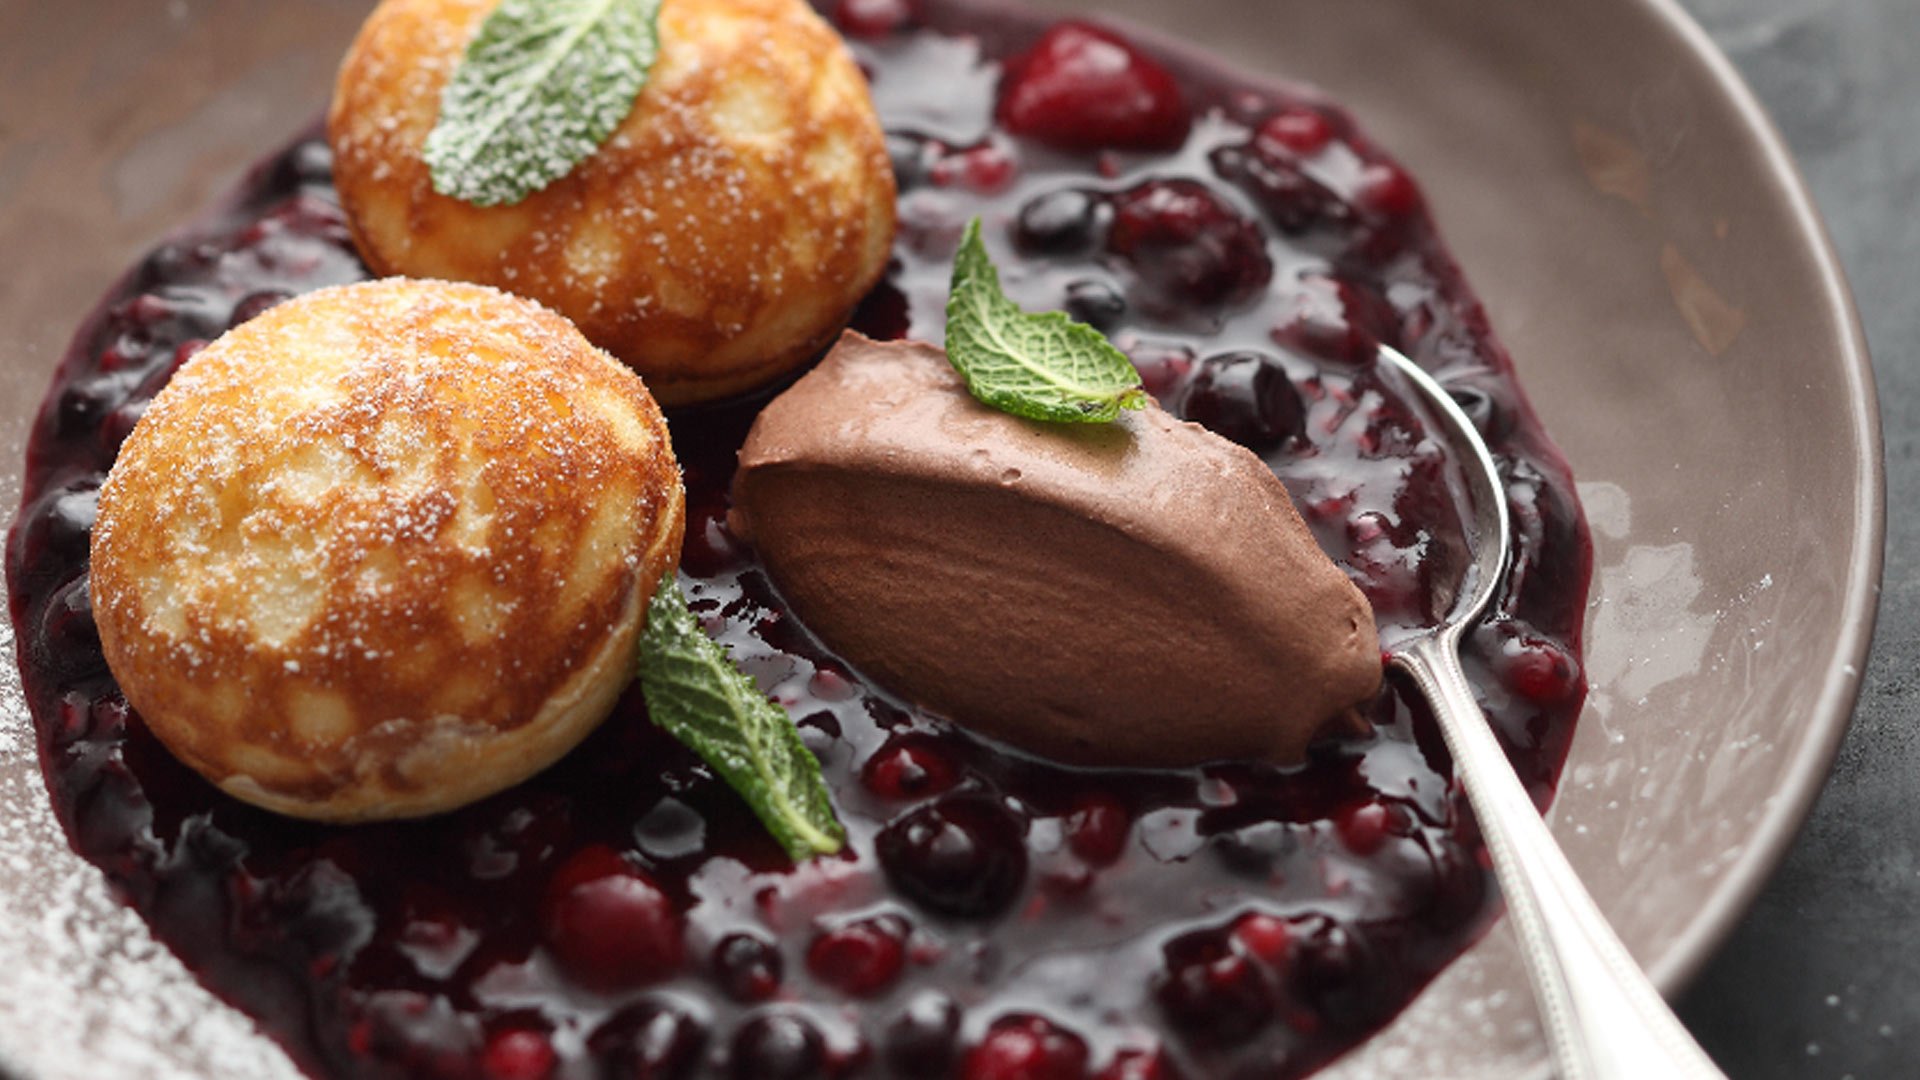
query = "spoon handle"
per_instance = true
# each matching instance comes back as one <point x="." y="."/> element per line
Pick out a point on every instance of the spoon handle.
<point x="1604" y="1020"/>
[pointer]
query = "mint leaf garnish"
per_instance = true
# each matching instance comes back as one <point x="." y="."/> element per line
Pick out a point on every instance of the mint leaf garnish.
<point x="1043" y="367"/>
<point x="695" y="693"/>
<point x="541" y="86"/>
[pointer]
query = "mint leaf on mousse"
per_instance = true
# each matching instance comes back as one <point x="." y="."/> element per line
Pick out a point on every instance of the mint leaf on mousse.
<point x="540" y="87"/>
<point x="695" y="693"/>
<point x="1042" y="367"/>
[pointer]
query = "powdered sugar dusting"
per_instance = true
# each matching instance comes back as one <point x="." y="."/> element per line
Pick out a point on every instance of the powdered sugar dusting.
<point x="364" y="488"/>
<point x="717" y="237"/>
<point x="83" y="973"/>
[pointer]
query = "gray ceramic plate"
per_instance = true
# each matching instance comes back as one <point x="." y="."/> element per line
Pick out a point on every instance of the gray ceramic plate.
<point x="1630" y="218"/>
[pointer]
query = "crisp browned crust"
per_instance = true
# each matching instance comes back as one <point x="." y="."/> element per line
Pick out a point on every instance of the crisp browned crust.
<point x="720" y="237"/>
<point x="385" y="548"/>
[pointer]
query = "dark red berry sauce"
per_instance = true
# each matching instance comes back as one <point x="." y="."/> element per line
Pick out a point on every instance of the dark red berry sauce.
<point x="994" y="916"/>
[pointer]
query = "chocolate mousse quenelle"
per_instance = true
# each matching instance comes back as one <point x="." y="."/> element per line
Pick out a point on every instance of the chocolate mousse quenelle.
<point x="1024" y="578"/>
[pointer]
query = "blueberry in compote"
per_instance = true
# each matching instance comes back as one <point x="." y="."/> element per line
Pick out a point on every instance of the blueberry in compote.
<point x="962" y="855"/>
<point x="747" y="966"/>
<point x="1095" y="303"/>
<point x="778" y="1046"/>
<point x="1294" y="201"/>
<point x="1248" y="397"/>
<point x="1064" y="222"/>
<point x="648" y="1040"/>
<point x="921" y="1040"/>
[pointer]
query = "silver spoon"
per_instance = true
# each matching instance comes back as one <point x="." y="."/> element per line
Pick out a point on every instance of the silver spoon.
<point x="1604" y="1020"/>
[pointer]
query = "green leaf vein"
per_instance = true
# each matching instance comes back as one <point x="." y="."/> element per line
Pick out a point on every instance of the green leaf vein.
<point x="1041" y="366"/>
<point x="696" y="694"/>
<point x="540" y="86"/>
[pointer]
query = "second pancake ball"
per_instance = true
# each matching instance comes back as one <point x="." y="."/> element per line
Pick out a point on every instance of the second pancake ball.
<point x="716" y="241"/>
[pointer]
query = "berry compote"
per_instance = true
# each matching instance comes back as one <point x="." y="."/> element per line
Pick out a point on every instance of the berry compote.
<point x="622" y="914"/>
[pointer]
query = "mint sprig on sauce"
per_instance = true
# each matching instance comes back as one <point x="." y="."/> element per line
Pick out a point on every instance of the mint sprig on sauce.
<point x="542" y="84"/>
<point x="698" y="696"/>
<point x="1040" y="366"/>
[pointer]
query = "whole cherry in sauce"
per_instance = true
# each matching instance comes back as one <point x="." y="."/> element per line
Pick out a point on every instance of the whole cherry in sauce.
<point x="861" y="958"/>
<point x="1188" y="244"/>
<point x="1024" y="1047"/>
<point x="1083" y="87"/>
<point x="608" y="924"/>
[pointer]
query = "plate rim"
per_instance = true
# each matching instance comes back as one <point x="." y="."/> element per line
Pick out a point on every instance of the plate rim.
<point x="1810" y="763"/>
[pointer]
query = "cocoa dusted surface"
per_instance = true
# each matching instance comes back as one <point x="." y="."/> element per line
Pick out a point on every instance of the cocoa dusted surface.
<point x="1819" y="978"/>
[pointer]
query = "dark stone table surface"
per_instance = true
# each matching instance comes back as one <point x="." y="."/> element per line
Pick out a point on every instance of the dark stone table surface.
<point x="1822" y="979"/>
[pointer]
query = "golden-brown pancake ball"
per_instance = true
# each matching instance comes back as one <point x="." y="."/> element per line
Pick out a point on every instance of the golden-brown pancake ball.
<point x="385" y="548"/>
<point x="717" y="240"/>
